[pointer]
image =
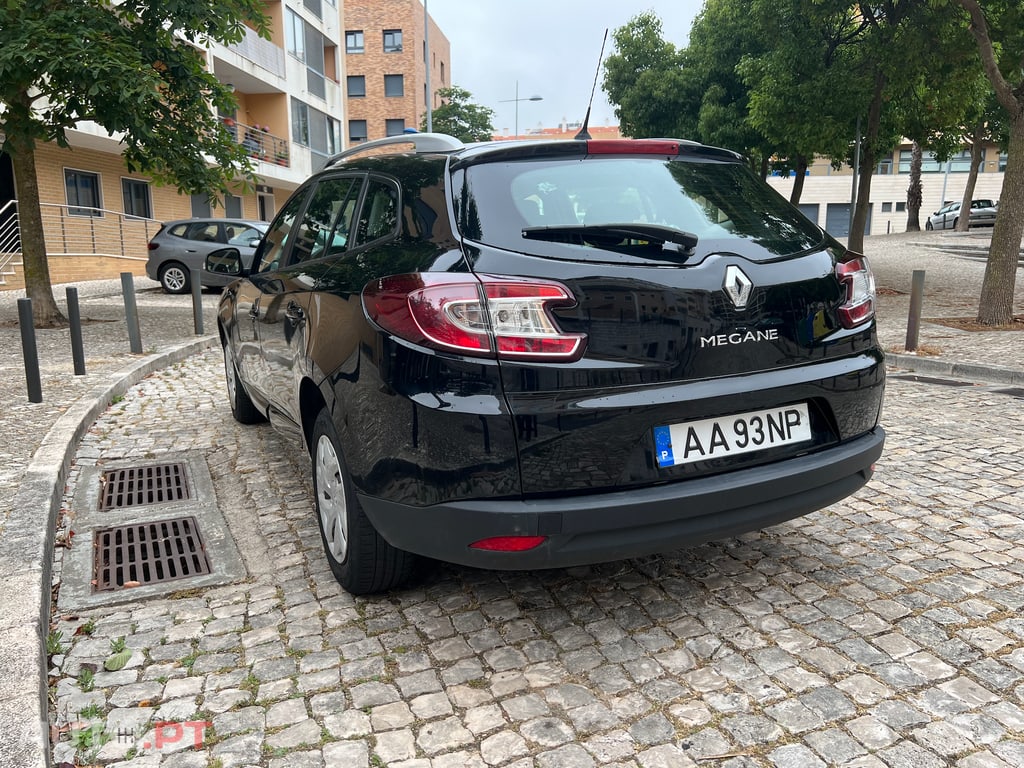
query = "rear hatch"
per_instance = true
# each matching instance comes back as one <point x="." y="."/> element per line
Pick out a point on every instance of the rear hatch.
<point x="704" y="301"/>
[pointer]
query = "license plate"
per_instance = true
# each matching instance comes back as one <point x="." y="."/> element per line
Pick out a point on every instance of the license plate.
<point x="705" y="439"/>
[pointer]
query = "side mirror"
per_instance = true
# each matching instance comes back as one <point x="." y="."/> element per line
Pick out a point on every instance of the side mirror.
<point x="226" y="261"/>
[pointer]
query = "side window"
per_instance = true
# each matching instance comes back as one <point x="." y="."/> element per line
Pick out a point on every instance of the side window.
<point x="325" y="224"/>
<point x="274" y="244"/>
<point x="379" y="215"/>
<point x="208" y="232"/>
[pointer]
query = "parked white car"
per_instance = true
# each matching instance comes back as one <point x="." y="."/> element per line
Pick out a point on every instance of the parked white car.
<point x="983" y="214"/>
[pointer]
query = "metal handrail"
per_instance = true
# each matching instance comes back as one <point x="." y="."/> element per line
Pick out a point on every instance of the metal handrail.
<point x="259" y="142"/>
<point x="10" y="237"/>
<point x="74" y="230"/>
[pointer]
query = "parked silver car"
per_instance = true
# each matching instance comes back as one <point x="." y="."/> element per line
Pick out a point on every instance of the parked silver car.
<point x="180" y="246"/>
<point x="983" y="214"/>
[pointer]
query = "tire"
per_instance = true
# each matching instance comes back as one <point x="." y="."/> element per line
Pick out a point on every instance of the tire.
<point x="175" y="278"/>
<point x="359" y="557"/>
<point x="928" y="225"/>
<point x="242" y="406"/>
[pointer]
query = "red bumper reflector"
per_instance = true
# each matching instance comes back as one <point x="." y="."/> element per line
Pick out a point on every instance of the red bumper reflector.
<point x="509" y="543"/>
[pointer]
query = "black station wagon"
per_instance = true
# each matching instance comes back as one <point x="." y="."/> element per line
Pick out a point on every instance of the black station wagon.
<point x="538" y="354"/>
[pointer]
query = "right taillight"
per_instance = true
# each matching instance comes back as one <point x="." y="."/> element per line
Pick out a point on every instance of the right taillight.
<point x="855" y="276"/>
<point x="483" y="315"/>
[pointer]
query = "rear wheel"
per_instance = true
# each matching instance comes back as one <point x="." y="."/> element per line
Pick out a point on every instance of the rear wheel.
<point x="242" y="407"/>
<point x="359" y="557"/>
<point x="175" y="278"/>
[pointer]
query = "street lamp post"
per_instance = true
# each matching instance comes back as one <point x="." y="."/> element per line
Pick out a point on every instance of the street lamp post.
<point x="517" y="100"/>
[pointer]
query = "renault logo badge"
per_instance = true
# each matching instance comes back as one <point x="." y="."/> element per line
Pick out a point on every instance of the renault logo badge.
<point x="737" y="285"/>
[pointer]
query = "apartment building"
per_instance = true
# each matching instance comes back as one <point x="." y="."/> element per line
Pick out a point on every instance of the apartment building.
<point x="98" y="216"/>
<point x="387" y="47"/>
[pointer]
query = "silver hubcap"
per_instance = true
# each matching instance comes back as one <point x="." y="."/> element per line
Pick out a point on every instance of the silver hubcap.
<point x="229" y="374"/>
<point x="331" y="499"/>
<point x="174" y="279"/>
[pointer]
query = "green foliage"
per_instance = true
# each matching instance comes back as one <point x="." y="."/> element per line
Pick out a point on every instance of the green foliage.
<point x="54" y="644"/>
<point x="645" y="79"/>
<point x="136" y="68"/>
<point x="86" y="677"/>
<point x="460" y="117"/>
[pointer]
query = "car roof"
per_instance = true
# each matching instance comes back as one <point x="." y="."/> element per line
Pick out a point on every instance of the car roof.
<point x="204" y="220"/>
<point x="425" y="144"/>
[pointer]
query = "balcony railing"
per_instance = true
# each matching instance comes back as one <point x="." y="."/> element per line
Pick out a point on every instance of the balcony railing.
<point x="259" y="142"/>
<point x="261" y="52"/>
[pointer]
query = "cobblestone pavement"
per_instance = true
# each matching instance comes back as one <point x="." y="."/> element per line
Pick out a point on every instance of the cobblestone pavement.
<point x="688" y="584"/>
<point x="883" y="631"/>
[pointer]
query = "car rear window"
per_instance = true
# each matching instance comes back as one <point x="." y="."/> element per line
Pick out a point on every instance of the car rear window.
<point x="721" y="203"/>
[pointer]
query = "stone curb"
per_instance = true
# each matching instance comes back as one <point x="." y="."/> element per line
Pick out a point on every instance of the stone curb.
<point x="938" y="366"/>
<point x="26" y="559"/>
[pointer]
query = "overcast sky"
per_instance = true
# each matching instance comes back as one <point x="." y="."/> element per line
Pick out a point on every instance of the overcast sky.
<point x="550" y="47"/>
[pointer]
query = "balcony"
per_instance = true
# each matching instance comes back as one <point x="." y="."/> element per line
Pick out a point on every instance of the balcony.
<point x="259" y="142"/>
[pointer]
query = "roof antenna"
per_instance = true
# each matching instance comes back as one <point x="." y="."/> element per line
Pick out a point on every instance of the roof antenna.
<point x="584" y="134"/>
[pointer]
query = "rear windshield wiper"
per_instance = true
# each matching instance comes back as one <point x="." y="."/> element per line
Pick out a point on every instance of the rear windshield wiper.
<point x="613" y="235"/>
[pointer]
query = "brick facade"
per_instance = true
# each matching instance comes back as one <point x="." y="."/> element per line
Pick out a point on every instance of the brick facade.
<point x="372" y="18"/>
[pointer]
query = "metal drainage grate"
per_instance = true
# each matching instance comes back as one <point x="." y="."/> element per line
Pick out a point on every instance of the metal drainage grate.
<point x="148" y="553"/>
<point x="138" y="486"/>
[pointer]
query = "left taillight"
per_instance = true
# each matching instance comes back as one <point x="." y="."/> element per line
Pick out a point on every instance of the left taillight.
<point x="858" y="305"/>
<point x="484" y="315"/>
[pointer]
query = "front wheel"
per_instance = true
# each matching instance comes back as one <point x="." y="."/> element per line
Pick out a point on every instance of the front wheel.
<point x="359" y="557"/>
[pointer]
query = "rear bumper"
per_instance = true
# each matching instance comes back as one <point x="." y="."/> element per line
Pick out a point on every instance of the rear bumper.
<point x="622" y="524"/>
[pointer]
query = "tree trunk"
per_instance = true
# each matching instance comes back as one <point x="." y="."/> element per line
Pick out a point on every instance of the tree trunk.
<point x="996" y="307"/>
<point x="45" y="313"/>
<point x="914" y="191"/>
<point x="855" y="240"/>
<point x="798" y="182"/>
<point x="964" y="222"/>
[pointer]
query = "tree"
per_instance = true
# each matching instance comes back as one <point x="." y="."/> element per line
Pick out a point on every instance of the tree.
<point x="998" y="31"/>
<point x="914" y="193"/>
<point x="459" y="117"/>
<point x="647" y="81"/>
<point x="138" y="69"/>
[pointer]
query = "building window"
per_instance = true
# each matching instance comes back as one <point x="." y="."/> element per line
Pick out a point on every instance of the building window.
<point x="314" y="8"/>
<point x="354" y="41"/>
<point x="137" y="200"/>
<point x="392" y="41"/>
<point x="300" y="123"/>
<point x="394" y="127"/>
<point x="357" y="130"/>
<point x="295" y="34"/>
<point x="83" y="189"/>
<point x="886" y="207"/>
<point x="356" y="85"/>
<point x="232" y="206"/>
<point x="394" y="85"/>
<point x="901" y="207"/>
<point x="442" y="73"/>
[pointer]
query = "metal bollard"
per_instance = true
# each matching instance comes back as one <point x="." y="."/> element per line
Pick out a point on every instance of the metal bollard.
<point x="197" y="301"/>
<point x="29" y="351"/>
<point x="75" y="318"/>
<point x="916" y="299"/>
<point x="131" y="313"/>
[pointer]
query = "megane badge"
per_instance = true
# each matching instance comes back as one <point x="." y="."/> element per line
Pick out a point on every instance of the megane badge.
<point x="737" y="285"/>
